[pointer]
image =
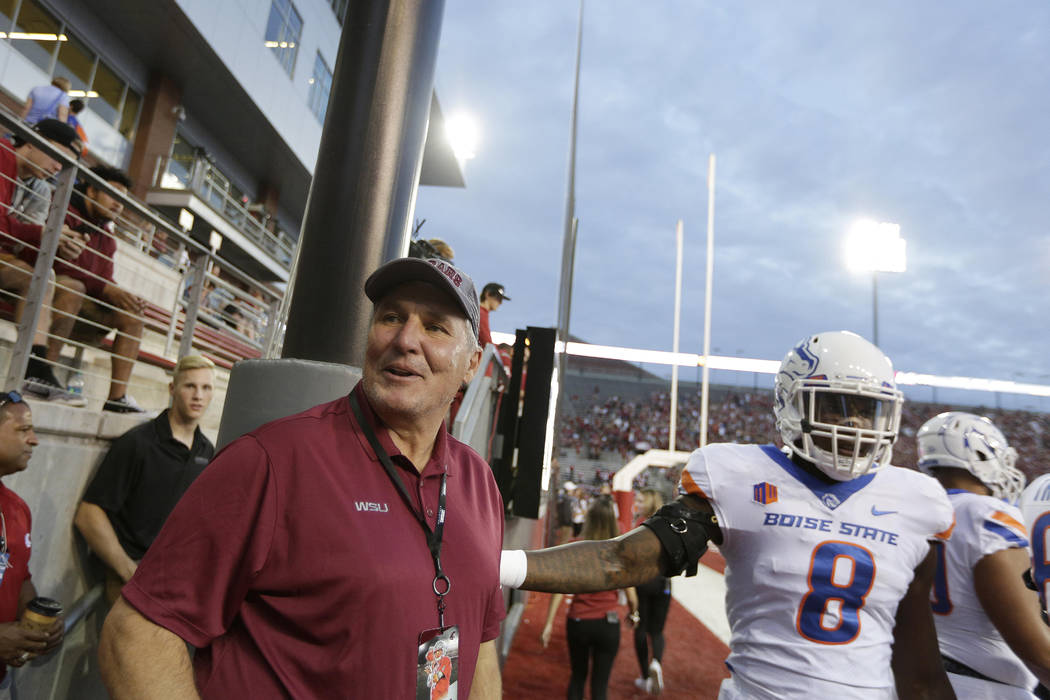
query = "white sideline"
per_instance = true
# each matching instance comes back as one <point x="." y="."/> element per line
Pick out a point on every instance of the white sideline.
<point x="704" y="595"/>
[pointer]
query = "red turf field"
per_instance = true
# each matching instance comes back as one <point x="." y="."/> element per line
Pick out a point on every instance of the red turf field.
<point x="693" y="660"/>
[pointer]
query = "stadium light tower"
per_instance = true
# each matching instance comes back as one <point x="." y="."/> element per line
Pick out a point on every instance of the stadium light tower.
<point x="873" y="246"/>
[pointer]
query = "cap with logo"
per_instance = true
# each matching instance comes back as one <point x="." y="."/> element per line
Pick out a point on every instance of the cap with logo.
<point x="440" y="273"/>
<point x="494" y="289"/>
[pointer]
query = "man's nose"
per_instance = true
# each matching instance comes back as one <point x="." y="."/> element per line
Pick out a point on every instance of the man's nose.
<point x="410" y="333"/>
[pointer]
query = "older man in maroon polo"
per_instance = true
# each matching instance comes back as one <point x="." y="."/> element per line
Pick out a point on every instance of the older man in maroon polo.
<point x="307" y="559"/>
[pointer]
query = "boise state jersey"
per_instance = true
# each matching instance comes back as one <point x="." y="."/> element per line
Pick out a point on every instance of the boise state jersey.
<point x="814" y="571"/>
<point x="983" y="525"/>
<point x="1035" y="507"/>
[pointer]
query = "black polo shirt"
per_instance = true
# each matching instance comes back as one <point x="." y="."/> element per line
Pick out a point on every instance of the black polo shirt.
<point x="142" y="477"/>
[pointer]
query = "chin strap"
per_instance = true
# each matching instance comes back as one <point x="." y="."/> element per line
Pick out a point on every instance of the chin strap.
<point x="683" y="534"/>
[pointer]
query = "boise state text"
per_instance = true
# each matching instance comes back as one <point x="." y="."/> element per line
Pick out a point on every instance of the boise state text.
<point x="856" y="530"/>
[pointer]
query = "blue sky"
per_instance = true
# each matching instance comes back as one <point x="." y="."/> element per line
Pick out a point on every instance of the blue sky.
<point x="930" y="115"/>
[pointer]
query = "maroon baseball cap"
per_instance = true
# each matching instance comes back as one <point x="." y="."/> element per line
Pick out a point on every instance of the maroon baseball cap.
<point x="437" y="272"/>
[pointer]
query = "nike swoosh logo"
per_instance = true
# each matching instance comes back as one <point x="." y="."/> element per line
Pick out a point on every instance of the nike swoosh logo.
<point x="876" y="512"/>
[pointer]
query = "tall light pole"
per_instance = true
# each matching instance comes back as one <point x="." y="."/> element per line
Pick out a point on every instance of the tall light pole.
<point x="874" y="246"/>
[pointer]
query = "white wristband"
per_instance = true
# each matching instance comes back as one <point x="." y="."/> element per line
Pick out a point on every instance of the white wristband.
<point x="513" y="566"/>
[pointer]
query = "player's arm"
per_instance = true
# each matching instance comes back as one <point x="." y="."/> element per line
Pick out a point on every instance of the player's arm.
<point x="142" y="660"/>
<point x="917" y="667"/>
<point x="669" y="542"/>
<point x="1013" y="608"/>
<point x="487" y="684"/>
<point x="97" y="530"/>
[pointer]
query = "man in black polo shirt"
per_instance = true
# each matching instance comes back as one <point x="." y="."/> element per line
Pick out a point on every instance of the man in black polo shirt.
<point x="145" y="472"/>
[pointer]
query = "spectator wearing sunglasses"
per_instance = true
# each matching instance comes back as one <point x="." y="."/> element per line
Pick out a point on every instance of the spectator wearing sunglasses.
<point x="17" y="440"/>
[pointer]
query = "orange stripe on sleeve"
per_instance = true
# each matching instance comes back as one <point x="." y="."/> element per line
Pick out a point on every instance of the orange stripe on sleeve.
<point x="691" y="487"/>
<point x="947" y="533"/>
<point x="1007" y="519"/>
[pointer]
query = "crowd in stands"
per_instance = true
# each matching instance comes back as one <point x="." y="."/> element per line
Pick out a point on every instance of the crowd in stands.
<point x="83" y="303"/>
<point x="599" y="427"/>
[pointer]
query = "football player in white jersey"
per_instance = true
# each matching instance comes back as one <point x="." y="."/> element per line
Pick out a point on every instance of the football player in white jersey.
<point x="1035" y="506"/>
<point x="988" y="623"/>
<point x="827" y="546"/>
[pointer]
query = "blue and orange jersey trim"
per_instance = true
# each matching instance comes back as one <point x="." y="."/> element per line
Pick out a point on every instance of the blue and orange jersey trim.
<point x="690" y="486"/>
<point x="1007" y="527"/>
<point x="947" y="533"/>
<point x="765" y="493"/>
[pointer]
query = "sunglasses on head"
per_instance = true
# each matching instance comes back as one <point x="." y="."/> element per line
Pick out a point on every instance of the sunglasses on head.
<point x="10" y="397"/>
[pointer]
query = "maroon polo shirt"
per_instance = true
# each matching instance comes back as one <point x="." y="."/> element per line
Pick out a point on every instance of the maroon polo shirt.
<point x="295" y="565"/>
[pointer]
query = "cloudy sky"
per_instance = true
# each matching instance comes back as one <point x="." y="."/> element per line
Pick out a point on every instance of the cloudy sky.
<point x="932" y="115"/>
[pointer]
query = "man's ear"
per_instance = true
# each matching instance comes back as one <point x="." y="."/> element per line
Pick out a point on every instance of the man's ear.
<point x="472" y="366"/>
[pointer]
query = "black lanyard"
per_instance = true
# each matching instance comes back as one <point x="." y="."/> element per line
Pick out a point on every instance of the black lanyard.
<point x="442" y="585"/>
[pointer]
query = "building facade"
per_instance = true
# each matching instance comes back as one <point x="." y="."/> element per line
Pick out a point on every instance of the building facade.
<point x="214" y="107"/>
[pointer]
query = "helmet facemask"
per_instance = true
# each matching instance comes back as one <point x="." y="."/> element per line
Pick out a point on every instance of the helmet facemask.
<point x="837" y="405"/>
<point x="846" y="434"/>
<point x="966" y="441"/>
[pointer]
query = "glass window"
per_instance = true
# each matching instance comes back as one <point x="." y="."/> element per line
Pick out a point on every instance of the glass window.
<point x="180" y="165"/>
<point x="75" y="62"/>
<point x="339" y="8"/>
<point x="36" y="34"/>
<point x="130" y="114"/>
<point x="282" y="33"/>
<point x="320" y="87"/>
<point x="7" y="14"/>
<point x="110" y="89"/>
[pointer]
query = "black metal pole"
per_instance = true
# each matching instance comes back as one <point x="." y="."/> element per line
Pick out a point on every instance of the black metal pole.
<point x="363" y="193"/>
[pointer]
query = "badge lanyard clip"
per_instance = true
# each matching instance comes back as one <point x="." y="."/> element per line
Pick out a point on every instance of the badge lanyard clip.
<point x="442" y="584"/>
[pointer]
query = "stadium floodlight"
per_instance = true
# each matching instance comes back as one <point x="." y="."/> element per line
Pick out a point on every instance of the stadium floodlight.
<point x="462" y="133"/>
<point x="875" y="246"/>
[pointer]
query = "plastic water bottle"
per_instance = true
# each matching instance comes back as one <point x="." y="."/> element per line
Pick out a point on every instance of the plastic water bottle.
<point x="76" y="384"/>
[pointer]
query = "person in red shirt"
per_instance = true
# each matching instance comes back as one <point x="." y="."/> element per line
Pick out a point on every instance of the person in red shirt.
<point x="17" y="440"/>
<point x="85" y="287"/>
<point x="492" y="297"/>
<point x="593" y="625"/>
<point x="654" y="602"/>
<point x="295" y="564"/>
<point x="22" y="166"/>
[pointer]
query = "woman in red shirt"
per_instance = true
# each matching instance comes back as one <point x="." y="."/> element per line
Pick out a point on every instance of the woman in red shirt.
<point x="654" y="601"/>
<point x="593" y="625"/>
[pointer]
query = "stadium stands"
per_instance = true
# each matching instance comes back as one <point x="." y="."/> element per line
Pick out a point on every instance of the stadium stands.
<point x="602" y="430"/>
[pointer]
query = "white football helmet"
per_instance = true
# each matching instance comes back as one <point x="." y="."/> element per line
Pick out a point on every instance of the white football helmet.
<point x="837" y="405"/>
<point x="965" y="441"/>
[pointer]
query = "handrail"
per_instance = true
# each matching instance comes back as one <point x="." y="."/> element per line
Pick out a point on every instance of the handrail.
<point x="79" y="610"/>
<point x="74" y="616"/>
<point x="148" y="224"/>
<point x="276" y="243"/>
<point x="11" y="123"/>
<point x="467" y="416"/>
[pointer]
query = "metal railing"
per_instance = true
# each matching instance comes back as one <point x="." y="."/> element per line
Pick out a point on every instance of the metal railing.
<point x="73" y="617"/>
<point x="211" y="186"/>
<point x="240" y="327"/>
<point x="474" y="420"/>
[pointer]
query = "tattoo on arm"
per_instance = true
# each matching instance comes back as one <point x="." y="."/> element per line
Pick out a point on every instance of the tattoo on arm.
<point x="595" y="565"/>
